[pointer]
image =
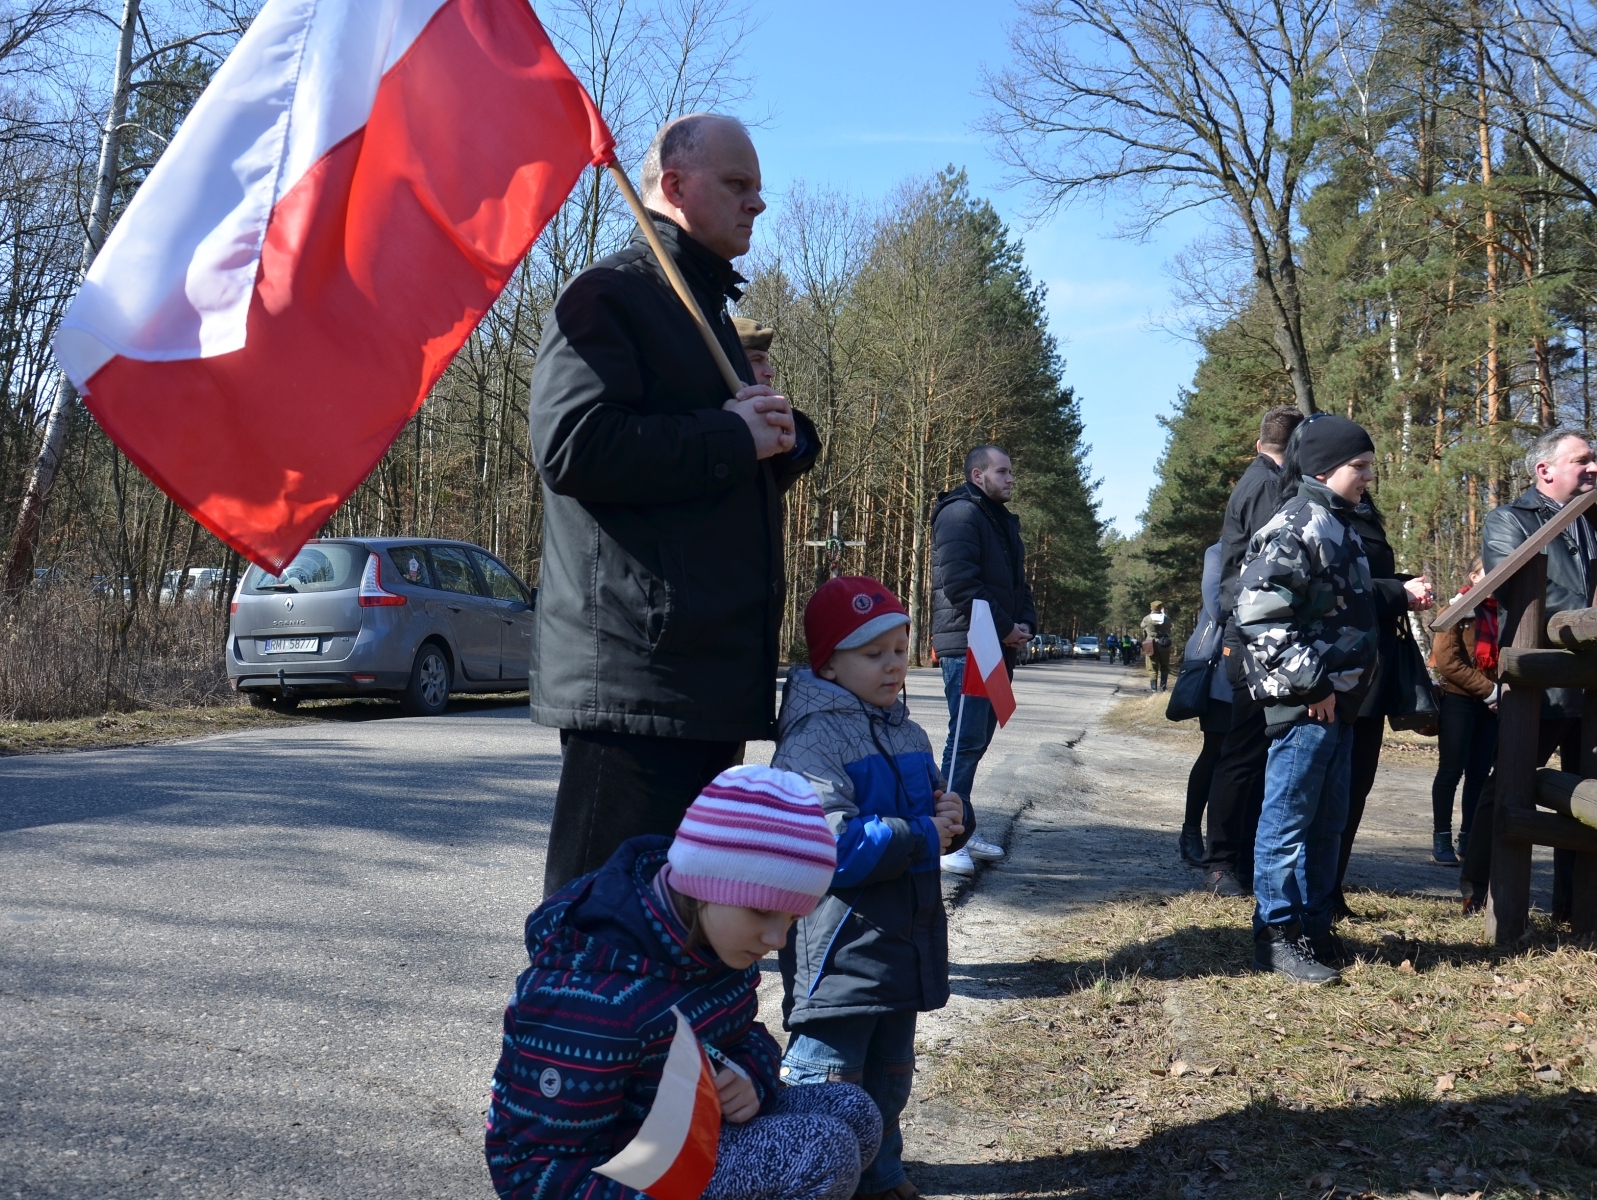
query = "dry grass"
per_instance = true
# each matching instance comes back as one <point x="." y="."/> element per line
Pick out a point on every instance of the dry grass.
<point x="1142" y="714"/>
<point x="1145" y="1059"/>
<point x="69" y="651"/>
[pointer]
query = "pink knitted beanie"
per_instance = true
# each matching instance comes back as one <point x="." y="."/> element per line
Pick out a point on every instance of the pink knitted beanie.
<point x="758" y="838"/>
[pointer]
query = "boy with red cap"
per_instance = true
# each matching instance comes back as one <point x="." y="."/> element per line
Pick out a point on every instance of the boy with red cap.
<point x="875" y="950"/>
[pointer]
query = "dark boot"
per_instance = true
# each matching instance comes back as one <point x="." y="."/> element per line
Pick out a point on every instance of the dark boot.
<point x="1192" y="847"/>
<point x="1331" y="951"/>
<point x="1339" y="909"/>
<point x="1222" y="883"/>
<point x="1284" y="950"/>
<point x="1442" y="849"/>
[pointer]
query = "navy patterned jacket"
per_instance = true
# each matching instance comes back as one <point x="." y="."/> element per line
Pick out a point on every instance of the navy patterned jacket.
<point x="590" y="1024"/>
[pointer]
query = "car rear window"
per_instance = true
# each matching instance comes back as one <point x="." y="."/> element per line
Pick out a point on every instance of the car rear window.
<point x="453" y="571"/>
<point x="327" y="567"/>
<point x="411" y="563"/>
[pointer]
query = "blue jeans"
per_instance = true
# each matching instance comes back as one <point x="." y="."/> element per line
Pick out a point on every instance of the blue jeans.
<point x="1306" y="783"/>
<point x="876" y="1051"/>
<point x="975" y="731"/>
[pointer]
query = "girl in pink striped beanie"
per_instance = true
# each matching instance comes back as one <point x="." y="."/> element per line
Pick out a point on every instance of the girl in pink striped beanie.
<point x="755" y="838"/>
<point x="670" y="930"/>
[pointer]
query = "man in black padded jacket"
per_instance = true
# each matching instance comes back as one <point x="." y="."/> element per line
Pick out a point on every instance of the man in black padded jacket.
<point x="1237" y="792"/>
<point x="977" y="554"/>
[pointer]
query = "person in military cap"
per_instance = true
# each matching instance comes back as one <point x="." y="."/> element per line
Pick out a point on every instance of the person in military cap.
<point x="1156" y="645"/>
<point x="756" y="339"/>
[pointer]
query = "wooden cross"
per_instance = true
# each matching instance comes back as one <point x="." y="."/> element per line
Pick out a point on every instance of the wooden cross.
<point x="834" y="547"/>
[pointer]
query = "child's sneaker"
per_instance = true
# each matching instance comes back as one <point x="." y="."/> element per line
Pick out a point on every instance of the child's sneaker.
<point x="983" y="851"/>
<point x="1442" y="850"/>
<point x="959" y="863"/>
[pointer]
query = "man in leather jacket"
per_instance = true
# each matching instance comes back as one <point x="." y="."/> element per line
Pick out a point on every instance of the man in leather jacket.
<point x="1563" y="465"/>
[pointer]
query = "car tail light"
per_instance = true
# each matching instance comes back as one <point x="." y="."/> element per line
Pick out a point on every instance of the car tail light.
<point x="372" y="594"/>
<point x="232" y="608"/>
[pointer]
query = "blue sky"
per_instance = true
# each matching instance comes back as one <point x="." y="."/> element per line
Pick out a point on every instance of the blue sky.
<point x="861" y="95"/>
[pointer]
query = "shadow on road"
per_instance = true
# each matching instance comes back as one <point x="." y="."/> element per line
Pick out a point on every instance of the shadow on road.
<point x="445" y="779"/>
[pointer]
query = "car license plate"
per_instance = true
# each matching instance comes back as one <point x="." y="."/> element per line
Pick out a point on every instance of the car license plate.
<point x="299" y="645"/>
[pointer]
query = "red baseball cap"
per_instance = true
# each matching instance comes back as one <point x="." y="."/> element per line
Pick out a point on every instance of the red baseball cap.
<point x="847" y="612"/>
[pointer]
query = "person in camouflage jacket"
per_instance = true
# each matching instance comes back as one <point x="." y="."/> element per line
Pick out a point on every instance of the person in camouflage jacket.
<point x="1306" y="620"/>
<point x="1306" y="611"/>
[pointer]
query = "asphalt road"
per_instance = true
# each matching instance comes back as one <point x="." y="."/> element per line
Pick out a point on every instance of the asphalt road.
<point x="265" y="964"/>
<point x="274" y="963"/>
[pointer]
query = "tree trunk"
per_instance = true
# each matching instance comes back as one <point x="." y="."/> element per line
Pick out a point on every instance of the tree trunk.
<point x="56" y="426"/>
<point x="1489" y="235"/>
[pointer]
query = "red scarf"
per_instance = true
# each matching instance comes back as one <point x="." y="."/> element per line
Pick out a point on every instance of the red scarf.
<point x="1486" y="634"/>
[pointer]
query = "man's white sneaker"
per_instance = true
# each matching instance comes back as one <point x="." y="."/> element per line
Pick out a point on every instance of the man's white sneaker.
<point x="959" y="863"/>
<point x="983" y="851"/>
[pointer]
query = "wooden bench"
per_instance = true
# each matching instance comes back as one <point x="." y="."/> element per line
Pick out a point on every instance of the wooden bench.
<point x="1537" y="654"/>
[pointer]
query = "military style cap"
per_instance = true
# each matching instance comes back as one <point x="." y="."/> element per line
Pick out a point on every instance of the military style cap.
<point x="752" y="334"/>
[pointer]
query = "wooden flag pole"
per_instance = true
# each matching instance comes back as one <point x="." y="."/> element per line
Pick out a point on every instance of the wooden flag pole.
<point x="678" y="284"/>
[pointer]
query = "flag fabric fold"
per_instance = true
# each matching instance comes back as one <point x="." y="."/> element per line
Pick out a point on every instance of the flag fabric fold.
<point x="672" y="1156"/>
<point x="345" y="201"/>
<point x="985" y="673"/>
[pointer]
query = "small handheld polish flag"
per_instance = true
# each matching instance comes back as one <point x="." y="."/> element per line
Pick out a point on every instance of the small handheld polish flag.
<point x="985" y="674"/>
<point x="673" y="1155"/>
<point x="985" y="654"/>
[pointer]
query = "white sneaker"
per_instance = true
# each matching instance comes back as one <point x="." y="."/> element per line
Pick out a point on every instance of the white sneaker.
<point x="959" y="863"/>
<point x="983" y="851"/>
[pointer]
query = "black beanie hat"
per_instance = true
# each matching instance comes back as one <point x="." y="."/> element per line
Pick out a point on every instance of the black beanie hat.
<point x="1326" y="441"/>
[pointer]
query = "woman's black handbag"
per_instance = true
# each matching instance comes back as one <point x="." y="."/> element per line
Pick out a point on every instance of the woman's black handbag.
<point x="1190" y="696"/>
<point x="1411" y="700"/>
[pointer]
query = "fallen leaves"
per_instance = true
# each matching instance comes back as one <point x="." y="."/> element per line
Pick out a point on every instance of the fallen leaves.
<point x="1444" y="1083"/>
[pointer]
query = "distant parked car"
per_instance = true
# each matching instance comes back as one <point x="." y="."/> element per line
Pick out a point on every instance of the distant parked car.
<point x="201" y="584"/>
<point x="1087" y="647"/>
<point x="413" y="618"/>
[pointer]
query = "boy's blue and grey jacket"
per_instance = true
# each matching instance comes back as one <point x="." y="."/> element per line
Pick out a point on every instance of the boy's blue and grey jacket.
<point x="1306" y="611"/>
<point x="878" y="941"/>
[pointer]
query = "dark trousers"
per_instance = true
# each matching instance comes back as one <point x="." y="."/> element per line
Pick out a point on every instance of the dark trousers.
<point x="1368" y="733"/>
<point x="615" y="786"/>
<point x="1468" y="747"/>
<point x="1559" y="733"/>
<point x="1237" y="792"/>
<point x="1201" y="779"/>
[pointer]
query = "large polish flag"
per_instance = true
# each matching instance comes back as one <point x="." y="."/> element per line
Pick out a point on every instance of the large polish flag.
<point x="672" y="1156"/>
<point x="985" y="673"/>
<point x="343" y="204"/>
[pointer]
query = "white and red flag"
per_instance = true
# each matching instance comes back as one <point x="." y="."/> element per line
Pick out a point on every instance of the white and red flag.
<point x="985" y="673"/>
<point x="672" y="1156"/>
<point x="345" y="201"/>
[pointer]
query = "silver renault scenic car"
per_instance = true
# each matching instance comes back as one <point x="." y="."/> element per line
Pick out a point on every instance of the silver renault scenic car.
<point x="412" y="618"/>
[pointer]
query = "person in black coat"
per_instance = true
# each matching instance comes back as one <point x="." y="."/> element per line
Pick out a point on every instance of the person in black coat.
<point x="662" y="586"/>
<point x="1395" y="596"/>
<point x="977" y="554"/>
<point x="1237" y="791"/>
<point x="1563" y="466"/>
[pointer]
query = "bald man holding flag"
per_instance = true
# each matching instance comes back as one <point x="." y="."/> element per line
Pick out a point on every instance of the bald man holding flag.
<point x="662" y="584"/>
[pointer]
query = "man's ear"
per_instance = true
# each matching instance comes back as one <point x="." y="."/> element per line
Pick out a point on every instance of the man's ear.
<point x="670" y="189"/>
